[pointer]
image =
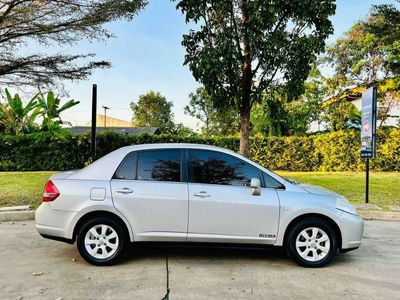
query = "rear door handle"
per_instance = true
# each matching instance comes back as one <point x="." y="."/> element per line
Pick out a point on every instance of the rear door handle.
<point x="125" y="191"/>
<point x="202" y="194"/>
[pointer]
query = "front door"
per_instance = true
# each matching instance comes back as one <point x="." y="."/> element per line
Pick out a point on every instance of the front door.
<point x="222" y="207"/>
<point x="149" y="191"/>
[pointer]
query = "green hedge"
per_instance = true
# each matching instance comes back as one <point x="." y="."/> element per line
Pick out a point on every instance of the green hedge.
<point x="338" y="151"/>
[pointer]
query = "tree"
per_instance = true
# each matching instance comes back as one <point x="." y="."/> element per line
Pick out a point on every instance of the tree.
<point x="342" y="115"/>
<point x="17" y="118"/>
<point x="51" y="110"/>
<point x="369" y="55"/>
<point x="215" y="121"/>
<point x="27" y="22"/>
<point x="154" y="110"/>
<point x="243" y="47"/>
<point x="280" y="116"/>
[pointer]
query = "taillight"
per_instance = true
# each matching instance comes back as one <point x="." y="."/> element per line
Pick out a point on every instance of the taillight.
<point x="50" y="192"/>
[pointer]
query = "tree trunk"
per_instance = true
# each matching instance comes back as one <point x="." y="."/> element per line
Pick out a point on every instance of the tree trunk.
<point x="244" y="148"/>
<point x="245" y="105"/>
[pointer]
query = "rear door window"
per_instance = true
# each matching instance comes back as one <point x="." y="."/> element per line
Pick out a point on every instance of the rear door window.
<point x="159" y="165"/>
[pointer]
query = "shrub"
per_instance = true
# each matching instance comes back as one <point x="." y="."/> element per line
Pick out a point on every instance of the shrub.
<point x="337" y="151"/>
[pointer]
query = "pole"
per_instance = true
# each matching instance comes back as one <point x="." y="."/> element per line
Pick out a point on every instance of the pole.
<point x="94" y="111"/>
<point x="367" y="180"/>
<point x="105" y="115"/>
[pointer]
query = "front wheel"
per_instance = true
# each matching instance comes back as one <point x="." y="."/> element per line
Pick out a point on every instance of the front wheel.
<point x="312" y="243"/>
<point x="101" y="241"/>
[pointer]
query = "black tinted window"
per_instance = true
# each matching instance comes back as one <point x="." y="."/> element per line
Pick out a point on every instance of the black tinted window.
<point x="127" y="170"/>
<point x="271" y="182"/>
<point x="219" y="168"/>
<point x="160" y="165"/>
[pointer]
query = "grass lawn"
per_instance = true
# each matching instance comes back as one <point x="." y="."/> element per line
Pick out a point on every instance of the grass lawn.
<point x="22" y="188"/>
<point x="26" y="188"/>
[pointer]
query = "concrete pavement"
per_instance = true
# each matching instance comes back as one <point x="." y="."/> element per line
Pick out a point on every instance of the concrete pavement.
<point x="372" y="272"/>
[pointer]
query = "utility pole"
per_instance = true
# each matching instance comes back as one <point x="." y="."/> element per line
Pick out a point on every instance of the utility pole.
<point x="105" y="115"/>
<point x="94" y="109"/>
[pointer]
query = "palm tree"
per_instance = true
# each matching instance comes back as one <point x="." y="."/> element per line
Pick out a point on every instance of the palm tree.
<point x="15" y="118"/>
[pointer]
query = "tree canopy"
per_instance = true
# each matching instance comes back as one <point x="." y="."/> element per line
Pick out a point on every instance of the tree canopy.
<point x="241" y="48"/>
<point x="213" y="121"/>
<point x="369" y="54"/>
<point x="24" y="23"/>
<point x="154" y="110"/>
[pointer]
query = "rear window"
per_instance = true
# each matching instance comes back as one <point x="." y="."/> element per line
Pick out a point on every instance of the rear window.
<point x="127" y="170"/>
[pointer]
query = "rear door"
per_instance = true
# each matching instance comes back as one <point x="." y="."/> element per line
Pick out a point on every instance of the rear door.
<point x="222" y="207"/>
<point x="150" y="189"/>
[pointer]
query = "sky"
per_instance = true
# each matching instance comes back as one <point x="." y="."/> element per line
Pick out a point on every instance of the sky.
<point x="147" y="55"/>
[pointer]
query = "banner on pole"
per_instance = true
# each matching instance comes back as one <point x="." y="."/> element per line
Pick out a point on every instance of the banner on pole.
<point x="368" y="123"/>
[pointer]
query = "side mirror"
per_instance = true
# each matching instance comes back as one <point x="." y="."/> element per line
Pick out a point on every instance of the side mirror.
<point x="255" y="185"/>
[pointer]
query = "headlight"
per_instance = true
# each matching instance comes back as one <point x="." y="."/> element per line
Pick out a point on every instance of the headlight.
<point x="344" y="205"/>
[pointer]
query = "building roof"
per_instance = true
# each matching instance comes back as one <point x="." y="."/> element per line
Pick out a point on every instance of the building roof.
<point x="110" y="121"/>
<point x="348" y="94"/>
<point x="124" y="130"/>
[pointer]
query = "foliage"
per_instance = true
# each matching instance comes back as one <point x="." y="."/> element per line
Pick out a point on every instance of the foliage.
<point x="337" y="151"/>
<point x="242" y="48"/>
<point x="28" y="22"/>
<point x="51" y="110"/>
<point x="183" y="130"/>
<point x="17" y="118"/>
<point x="341" y="115"/>
<point x="216" y="121"/>
<point x="369" y="54"/>
<point x="153" y="110"/>
<point x="281" y="116"/>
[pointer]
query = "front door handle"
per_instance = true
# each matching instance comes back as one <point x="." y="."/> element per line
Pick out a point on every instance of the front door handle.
<point x="125" y="191"/>
<point x="202" y="194"/>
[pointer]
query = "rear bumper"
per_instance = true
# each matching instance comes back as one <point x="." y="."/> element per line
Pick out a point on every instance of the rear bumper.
<point x="53" y="223"/>
<point x="352" y="228"/>
<point x="56" y="238"/>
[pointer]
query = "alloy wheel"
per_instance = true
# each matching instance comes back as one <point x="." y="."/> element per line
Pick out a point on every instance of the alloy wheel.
<point x="313" y="244"/>
<point x="101" y="241"/>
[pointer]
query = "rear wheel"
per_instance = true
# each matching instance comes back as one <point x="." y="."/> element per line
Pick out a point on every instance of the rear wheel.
<point x="101" y="241"/>
<point x="312" y="243"/>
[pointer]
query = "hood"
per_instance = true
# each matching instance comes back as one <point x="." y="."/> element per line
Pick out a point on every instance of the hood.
<point x="317" y="190"/>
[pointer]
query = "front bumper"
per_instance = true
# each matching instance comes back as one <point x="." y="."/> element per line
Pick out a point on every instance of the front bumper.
<point x="352" y="228"/>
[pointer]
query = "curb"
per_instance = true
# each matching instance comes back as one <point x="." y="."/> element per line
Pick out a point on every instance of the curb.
<point x="379" y="215"/>
<point x="22" y="215"/>
<point x="18" y="214"/>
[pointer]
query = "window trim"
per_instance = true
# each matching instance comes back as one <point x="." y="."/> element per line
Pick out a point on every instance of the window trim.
<point x="260" y="172"/>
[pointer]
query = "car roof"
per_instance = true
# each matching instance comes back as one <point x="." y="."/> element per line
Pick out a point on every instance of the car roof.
<point x="176" y="146"/>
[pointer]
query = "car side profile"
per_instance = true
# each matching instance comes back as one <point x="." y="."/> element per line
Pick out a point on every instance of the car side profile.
<point x="192" y="193"/>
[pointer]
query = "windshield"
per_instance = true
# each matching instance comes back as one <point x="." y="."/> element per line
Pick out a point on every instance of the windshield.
<point x="291" y="180"/>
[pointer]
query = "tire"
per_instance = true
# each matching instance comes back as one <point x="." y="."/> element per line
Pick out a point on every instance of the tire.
<point x="105" y="238"/>
<point x="318" y="249"/>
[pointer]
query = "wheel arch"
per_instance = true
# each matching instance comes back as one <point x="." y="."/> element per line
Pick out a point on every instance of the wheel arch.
<point x="329" y="220"/>
<point x="100" y="213"/>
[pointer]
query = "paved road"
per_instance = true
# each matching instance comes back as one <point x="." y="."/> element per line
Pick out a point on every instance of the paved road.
<point x="372" y="272"/>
